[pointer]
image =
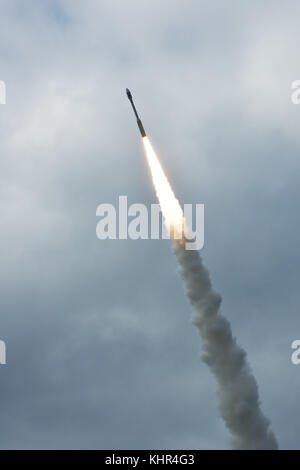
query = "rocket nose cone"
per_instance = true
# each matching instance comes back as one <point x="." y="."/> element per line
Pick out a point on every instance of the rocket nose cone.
<point x="128" y="93"/>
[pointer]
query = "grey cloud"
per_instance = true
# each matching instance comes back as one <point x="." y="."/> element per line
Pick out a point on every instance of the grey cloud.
<point x="100" y="350"/>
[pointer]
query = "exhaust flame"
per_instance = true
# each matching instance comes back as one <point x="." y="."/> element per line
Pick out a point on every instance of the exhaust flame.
<point x="238" y="396"/>
<point x="170" y="207"/>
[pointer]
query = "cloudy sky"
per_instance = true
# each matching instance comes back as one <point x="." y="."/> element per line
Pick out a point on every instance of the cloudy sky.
<point x="100" y="349"/>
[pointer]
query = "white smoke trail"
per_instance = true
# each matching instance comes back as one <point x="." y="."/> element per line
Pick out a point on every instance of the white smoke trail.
<point x="237" y="388"/>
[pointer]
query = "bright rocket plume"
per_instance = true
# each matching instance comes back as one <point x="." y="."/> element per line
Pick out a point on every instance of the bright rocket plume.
<point x="170" y="207"/>
<point x="238" y="397"/>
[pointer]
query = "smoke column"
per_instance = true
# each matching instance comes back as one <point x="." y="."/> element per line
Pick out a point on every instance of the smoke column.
<point x="237" y="388"/>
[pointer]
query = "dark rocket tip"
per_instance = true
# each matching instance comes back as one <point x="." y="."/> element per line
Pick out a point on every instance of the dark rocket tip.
<point x="139" y="122"/>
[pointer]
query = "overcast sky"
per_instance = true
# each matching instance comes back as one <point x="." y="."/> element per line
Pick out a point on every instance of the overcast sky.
<point x="100" y="349"/>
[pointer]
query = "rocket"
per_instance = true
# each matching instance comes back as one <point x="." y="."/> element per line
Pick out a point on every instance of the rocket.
<point x="139" y="122"/>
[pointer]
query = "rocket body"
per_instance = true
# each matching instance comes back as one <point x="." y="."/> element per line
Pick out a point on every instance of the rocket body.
<point x="139" y="122"/>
